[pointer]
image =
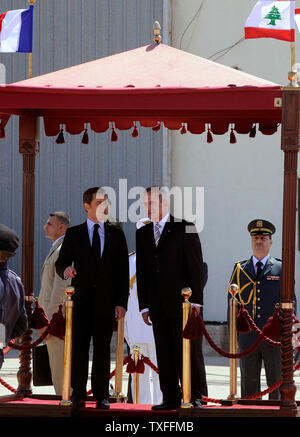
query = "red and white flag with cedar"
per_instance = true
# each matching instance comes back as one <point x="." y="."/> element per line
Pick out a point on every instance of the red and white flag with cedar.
<point x="272" y="19"/>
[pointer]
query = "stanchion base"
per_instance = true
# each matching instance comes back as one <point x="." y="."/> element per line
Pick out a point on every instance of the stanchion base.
<point x="117" y="398"/>
<point x="231" y="400"/>
<point x="186" y="405"/>
<point x="65" y="403"/>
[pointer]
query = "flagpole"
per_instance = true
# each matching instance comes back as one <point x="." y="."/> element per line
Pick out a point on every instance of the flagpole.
<point x="29" y="74"/>
<point x="293" y="55"/>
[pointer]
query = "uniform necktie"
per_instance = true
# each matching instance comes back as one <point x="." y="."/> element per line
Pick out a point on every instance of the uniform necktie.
<point x="259" y="265"/>
<point x="96" y="244"/>
<point x="156" y="233"/>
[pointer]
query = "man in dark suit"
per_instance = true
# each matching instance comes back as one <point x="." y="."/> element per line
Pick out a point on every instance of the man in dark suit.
<point x="258" y="279"/>
<point x="169" y="258"/>
<point x="95" y="255"/>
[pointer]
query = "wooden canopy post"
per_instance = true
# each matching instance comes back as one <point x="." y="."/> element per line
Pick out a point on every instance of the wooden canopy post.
<point x="28" y="147"/>
<point x="290" y="142"/>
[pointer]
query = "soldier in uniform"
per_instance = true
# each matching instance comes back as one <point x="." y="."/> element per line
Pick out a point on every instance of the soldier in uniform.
<point x="258" y="279"/>
<point x="13" y="318"/>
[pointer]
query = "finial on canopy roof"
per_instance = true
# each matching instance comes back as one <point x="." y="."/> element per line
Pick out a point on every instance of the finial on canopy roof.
<point x="156" y="32"/>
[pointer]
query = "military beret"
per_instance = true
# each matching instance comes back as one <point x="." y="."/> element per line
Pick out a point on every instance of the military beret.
<point x="9" y="240"/>
<point x="261" y="227"/>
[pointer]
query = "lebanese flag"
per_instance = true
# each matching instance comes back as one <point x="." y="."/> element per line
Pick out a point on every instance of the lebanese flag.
<point x="297" y="18"/>
<point x="16" y="30"/>
<point x="272" y="19"/>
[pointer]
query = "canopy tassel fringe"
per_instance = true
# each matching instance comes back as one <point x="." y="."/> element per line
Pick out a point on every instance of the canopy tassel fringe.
<point x="2" y="130"/>
<point x="85" y="137"/>
<point x="156" y="127"/>
<point x="183" y="130"/>
<point x="114" y="135"/>
<point x="253" y="131"/>
<point x="232" y="137"/>
<point x="209" y="138"/>
<point x="60" y="137"/>
<point x="135" y="132"/>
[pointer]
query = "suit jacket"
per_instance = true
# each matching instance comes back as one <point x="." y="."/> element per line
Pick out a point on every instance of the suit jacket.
<point x="267" y="295"/>
<point x="52" y="292"/>
<point x="110" y="278"/>
<point x="12" y="304"/>
<point x="164" y="270"/>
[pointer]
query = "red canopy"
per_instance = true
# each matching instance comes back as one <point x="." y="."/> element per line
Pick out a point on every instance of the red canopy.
<point x="150" y="84"/>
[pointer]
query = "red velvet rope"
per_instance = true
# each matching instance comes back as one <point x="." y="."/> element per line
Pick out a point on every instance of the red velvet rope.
<point x="128" y="360"/>
<point x="230" y="355"/>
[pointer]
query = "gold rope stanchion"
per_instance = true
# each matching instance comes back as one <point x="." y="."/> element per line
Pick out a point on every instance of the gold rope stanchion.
<point x="67" y="349"/>
<point x="118" y="396"/>
<point x="186" y="352"/>
<point x="136" y="355"/>
<point x="233" y="342"/>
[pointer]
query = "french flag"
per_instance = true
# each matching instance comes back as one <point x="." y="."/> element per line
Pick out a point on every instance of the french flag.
<point x="16" y="31"/>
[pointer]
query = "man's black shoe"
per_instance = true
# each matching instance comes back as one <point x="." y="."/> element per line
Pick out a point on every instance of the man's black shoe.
<point x="197" y="403"/>
<point x="102" y="405"/>
<point x="77" y="404"/>
<point x="166" y="406"/>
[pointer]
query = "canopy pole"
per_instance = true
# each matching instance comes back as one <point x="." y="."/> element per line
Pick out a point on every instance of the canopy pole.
<point x="290" y="147"/>
<point x="28" y="147"/>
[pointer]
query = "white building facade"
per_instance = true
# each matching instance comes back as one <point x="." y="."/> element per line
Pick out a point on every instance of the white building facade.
<point x="241" y="181"/>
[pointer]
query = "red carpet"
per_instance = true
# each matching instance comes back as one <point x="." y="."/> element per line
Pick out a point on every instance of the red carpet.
<point x="50" y="407"/>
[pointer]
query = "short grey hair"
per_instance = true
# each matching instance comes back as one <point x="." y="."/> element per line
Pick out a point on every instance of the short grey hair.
<point x="62" y="217"/>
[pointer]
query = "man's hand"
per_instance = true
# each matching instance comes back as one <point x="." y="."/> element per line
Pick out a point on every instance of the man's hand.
<point x="70" y="272"/>
<point x="146" y="318"/>
<point x="120" y="312"/>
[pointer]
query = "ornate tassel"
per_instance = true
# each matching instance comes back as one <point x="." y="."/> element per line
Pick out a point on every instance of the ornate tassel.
<point x="232" y="137"/>
<point x="253" y="131"/>
<point x="183" y="130"/>
<point x="209" y="136"/>
<point x="135" y="132"/>
<point x="156" y="127"/>
<point x="85" y="137"/>
<point x="114" y="135"/>
<point x="60" y="137"/>
<point x="2" y="130"/>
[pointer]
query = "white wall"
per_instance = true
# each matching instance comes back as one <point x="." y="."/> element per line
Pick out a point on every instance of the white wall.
<point x="242" y="181"/>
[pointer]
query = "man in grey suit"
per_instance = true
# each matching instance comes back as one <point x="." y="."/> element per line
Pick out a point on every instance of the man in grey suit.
<point x="52" y="292"/>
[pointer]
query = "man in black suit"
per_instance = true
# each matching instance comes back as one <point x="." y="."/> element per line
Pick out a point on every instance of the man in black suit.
<point x="169" y="258"/>
<point x="95" y="255"/>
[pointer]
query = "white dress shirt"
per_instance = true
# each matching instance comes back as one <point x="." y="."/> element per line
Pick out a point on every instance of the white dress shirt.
<point x="255" y="260"/>
<point x="59" y="238"/>
<point x="101" y="232"/>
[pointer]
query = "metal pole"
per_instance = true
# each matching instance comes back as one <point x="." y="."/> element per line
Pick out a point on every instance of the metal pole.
<point x="67" y="349"/>
<point x="186" y="352"/>
<point x="233" y="342"/>
<point x="136" y="354"/>
<point x="119" y="360"/>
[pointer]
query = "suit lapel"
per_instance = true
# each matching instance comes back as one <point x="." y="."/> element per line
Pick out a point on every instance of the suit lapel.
<point x="167" y="231"/>
<point x="53" y="248"/>
<point x="107" y="237"/>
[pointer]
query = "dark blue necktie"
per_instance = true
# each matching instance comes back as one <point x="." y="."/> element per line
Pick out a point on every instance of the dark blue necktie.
<point x="96" y="244"/>
<point x="259" y="265"/>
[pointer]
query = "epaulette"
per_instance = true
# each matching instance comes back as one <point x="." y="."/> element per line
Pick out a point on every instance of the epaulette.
<point x="241" y="262"/>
